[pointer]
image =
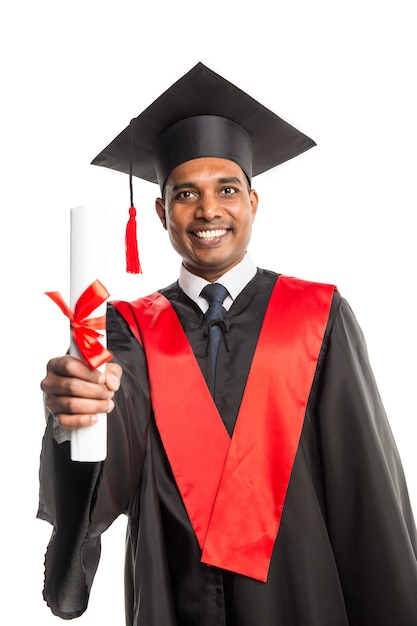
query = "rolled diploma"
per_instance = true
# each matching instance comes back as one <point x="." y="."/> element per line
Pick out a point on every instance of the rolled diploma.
<point x="88" y="262"/>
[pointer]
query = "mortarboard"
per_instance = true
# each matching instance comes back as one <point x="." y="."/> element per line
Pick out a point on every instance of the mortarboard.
<point x="202" y="115"/>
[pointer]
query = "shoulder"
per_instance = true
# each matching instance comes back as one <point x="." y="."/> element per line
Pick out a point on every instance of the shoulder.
<point x="172" y="291"/>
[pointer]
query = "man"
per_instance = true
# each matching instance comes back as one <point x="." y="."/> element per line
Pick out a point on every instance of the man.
<point x="261" y="482"/>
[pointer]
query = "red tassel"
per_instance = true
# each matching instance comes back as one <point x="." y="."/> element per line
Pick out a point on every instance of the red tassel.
<point x="132" y="255"/>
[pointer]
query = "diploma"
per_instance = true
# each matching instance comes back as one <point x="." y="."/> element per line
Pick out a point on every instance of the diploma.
<point x="88" y="263"/>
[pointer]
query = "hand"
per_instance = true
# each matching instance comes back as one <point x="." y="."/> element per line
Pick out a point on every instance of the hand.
<point x="75" y="393"/>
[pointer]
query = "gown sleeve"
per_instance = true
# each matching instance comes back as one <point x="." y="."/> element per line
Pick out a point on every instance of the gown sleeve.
<point x="81" y="500"/>
<point x="370" y="521"/>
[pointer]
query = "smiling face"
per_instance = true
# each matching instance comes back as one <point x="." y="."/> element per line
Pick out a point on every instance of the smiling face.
<point x="208" y="211"/>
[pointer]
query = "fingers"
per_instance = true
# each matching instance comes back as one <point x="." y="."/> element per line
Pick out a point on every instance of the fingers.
<point x="72" y="421"/>
<point x="68" y="376"/>
<point x="70" y="367"/>
<point x="75" y="393"/>
<point x="76" y="412"/>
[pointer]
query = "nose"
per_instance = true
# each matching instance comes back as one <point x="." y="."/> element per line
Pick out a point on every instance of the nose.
<point x="208" y="207"/>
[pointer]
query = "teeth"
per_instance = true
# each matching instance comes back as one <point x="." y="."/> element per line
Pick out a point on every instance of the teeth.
<point x="210" y="234"/>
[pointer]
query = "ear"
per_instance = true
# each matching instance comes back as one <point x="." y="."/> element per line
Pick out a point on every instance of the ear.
<point x="160" y="209"/>
<point x="254" y="203"/>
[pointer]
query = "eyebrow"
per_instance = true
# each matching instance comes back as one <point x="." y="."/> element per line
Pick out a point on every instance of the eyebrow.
<point x="185" y="184"/>
<point x="227" y="180"/>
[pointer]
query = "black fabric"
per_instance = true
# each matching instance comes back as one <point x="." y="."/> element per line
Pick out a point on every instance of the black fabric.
<point x="345" y="554"/>
<point x="202" y="136"/>
<point x="68" y="486"/>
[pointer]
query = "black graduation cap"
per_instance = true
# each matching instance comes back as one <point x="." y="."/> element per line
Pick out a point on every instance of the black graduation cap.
<point x="202" y="114"/>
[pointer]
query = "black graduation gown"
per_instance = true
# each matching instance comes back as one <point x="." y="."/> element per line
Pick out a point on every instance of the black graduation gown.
<point x="346" y="549"/>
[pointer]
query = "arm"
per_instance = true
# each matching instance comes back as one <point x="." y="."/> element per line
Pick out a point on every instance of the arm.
<point x="81" y="500"/>
<point x="370" y="521"/>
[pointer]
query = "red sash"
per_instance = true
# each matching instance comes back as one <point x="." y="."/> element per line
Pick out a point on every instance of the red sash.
<point x="234" y="489"/>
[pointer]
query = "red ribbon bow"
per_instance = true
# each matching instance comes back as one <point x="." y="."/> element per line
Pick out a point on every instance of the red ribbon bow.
<point x="85" y="329"/>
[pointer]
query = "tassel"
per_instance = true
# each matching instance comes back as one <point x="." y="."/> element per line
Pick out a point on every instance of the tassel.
<point x="132" y="254"/>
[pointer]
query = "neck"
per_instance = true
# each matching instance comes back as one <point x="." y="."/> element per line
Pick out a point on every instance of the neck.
<point x="212" y="275"/>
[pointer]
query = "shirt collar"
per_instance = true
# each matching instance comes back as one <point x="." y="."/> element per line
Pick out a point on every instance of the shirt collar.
<point x="235" y="280"/>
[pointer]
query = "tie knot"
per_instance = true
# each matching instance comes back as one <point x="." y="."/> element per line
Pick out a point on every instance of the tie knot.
<point x="214" y="292"/>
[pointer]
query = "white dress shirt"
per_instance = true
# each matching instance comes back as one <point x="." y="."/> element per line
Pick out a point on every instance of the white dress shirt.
<point x="235" y="280"/>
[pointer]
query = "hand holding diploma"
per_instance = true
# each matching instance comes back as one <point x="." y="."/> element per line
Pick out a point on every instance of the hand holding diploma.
<point x="76" y="394"/>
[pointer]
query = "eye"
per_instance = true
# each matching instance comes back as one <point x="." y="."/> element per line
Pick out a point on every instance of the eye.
<point x="228" y="191"/>
<point x="185" y="194"/>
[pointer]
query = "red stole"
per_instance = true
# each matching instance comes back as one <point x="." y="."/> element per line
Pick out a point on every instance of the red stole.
<point x="234" y="489"/>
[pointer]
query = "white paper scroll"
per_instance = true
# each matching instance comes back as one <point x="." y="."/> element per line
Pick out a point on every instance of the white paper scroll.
<point x="88" y="263"/>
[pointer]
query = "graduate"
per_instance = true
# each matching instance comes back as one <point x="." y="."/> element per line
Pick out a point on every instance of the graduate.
<point x="247" y="443"/>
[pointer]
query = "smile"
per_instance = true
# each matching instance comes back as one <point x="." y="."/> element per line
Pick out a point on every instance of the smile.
<point x="210" y="234"/>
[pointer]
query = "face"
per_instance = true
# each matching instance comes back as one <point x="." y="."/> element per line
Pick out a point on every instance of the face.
<point x="208" y="211"/>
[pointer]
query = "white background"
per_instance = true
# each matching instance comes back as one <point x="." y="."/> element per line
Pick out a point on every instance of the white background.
<point x="73" y="75"/>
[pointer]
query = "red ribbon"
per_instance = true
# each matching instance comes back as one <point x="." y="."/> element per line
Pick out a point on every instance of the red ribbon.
<point x="85" y="329"/>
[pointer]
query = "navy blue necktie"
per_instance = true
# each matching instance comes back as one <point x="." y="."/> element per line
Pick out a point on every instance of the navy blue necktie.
<point x="215" y="295"/>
